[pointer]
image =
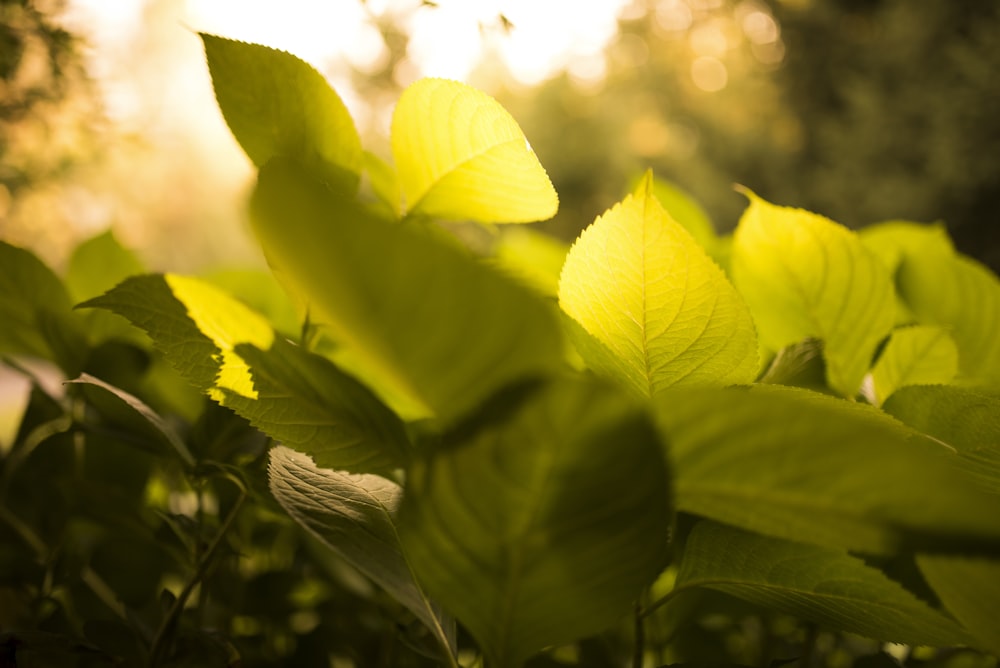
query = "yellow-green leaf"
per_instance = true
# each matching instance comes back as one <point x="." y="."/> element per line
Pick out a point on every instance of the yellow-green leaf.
<point x="689" y="213"/>
<point x="460" y="155"/>
<point x="945" y="288"/>
<point x="640" y="284"/>
<point x="278" y="105"/>
<point x="805" y="276"/>
<point x="918" y="355"/>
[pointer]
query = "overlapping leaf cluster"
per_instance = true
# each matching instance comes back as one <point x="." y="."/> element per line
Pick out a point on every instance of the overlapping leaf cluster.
<point x="526" y="443"/>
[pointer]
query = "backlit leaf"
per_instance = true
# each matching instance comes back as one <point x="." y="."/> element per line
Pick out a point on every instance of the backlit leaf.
<point x="460" y="155"/>
<point x="823" y="585"/>
<point x="918" y="355"/>
<point x="641" y="285"/>
<point x="544" y="525"/>
<point x="970" y="590"/>
<point x="355" y="516"/>
<point x="278" y="105"/>
<point x="230" y="352"/>
<point x="805" y="276"/>
<point x="689" y="213"/>
<point x="804" y="466"/>
<point x="963" y="419"/>
<point x="424" y="316"/>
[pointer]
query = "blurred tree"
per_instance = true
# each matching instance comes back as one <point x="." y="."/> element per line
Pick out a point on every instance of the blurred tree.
<point x="862" y="110"/>
<point x="46" y="102"/>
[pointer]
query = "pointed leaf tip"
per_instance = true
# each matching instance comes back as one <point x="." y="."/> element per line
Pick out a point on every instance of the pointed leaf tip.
<point x="639" y="283"/>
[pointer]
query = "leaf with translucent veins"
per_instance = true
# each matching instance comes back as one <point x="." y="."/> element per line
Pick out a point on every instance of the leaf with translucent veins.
<point x="638" y="283"/>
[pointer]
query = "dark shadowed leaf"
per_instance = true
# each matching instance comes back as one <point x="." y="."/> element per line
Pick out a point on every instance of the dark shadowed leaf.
<point x="823" y="585"/>
<point x="541" y="520"/>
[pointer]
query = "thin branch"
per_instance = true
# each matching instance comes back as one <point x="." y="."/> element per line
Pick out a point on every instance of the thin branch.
<point x="159" y="645"/>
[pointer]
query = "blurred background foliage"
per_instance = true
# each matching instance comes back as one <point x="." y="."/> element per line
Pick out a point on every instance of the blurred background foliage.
<point x="863" y="110"/>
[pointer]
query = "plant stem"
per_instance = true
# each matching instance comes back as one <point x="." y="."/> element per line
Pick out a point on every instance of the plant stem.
<point x="639" y="649"/>
<point x="159" y="645"/>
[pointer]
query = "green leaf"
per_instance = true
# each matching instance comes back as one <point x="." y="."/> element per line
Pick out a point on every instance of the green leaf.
<point x="805" y="276"/>
<point x="384" y="183"/>
<point x="261" y="292"/>
<point x="953" y="291"/>
<point x="355" y="516"/>
<point x="689" y="213"/>
<point x="460" y="155"/>
<point x="641" y="285"/>
<point x="425" y="317"/>
<point x="306" y="402"/>
<point x="964" y="420"/>
<point x="277" y="105"/>
<point x="822" y="585"/>
<point x="541" y="521"/>
<point x="36" y="312"/>
<point x="970" y="590"/>
<point x="893" y="240"/>
<point x="129" y="411"/>
<point x="533" y="257"/>
<point x="231" y="353"/>
<point x="98" y="264"/>
<point x="917" y="355"/>
<point x="804" y="466"/>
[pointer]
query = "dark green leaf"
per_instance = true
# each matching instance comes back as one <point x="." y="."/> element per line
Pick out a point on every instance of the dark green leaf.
<point x="970" y="589"/>
<point x="36" y="312"/>
<point x="963" y="419"/>
<point x="354" y="515"/>
<point x="127" y="410"/>
<point x="823" y="585"/>
<point x="541" y="520"/>
<point x="233" y="354"/>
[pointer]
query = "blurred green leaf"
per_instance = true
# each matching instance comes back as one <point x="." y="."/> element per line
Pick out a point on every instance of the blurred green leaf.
<point x="892" y="241"/>
<point x="819" y="584"/>
<point x="916" y="355"/>
<point x="541" y="520"/>
<point x="355" y="516"/>
<point x="531" y="256"/>
<point x="384" y="183"/>
<point x="805" y="276"/>
<point x="460" y="155"/>
<point x="953" y="291"/>
<point x="640" y="284"/>
<point x="426" y="318"/>
<point x="35" y="310"/>
<point x="683" y="209"/>
<point x="964" y="420"/>
<point x="970" y="589"/>
<point x="98" y="264"/>
<point x="804" y="466"/>
<point x="278" y="105"/>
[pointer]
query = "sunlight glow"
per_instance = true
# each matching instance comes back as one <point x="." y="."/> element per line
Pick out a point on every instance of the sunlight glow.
<point x="535" y="40"/>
